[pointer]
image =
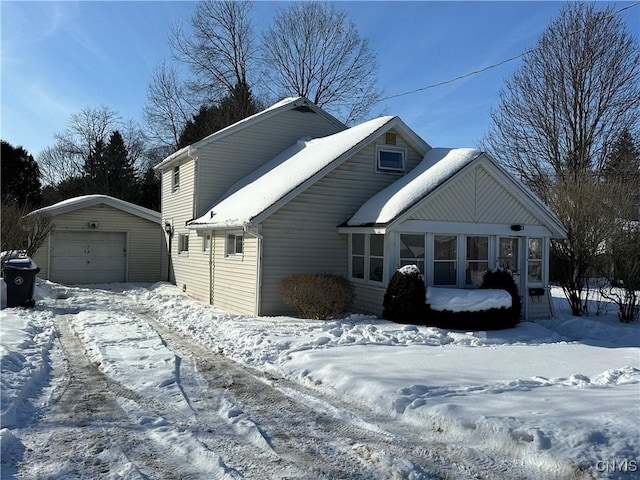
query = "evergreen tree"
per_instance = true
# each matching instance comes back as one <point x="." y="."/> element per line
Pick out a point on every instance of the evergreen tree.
<point x="622" y="171"/>
<point x="20" y="176"/>
<point x="232" y="108"/>
<point x="120" y="173"/>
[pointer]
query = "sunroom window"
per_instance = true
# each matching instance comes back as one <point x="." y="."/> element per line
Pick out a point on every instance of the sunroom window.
<point x="534" y="261"/>
<point x="412" y="251"/>
<point x="445" y="255"/>
<point x="477" y="260"/>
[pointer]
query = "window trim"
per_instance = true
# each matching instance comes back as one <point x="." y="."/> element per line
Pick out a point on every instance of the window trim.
<point x="540" y="261"/>
<point x="175" y="179"/>
<point x="228" y="252"/>
<point x="469" y="261"/>
<point x="366" y="280"/>
<point x="206" y="242"/>
<point x="183" y="243"/>
<point x="391" y="149"/>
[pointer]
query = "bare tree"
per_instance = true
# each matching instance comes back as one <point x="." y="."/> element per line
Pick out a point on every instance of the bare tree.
<point x="314" y="50"/>
<point x="559" y="116"/>
<point x="220" y="49"/>
<point x="168" y="106"/>
<point x="22" y="231"/>
<point x="84" y="132"/>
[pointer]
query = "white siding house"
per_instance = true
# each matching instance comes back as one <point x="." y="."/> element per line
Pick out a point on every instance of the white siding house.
<point x="270" y="196"/>
<point x="101" y="239"/>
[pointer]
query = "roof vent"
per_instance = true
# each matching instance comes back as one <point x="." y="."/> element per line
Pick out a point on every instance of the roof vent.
<point x="390" y="138"/>
<point x="304" y="109"/>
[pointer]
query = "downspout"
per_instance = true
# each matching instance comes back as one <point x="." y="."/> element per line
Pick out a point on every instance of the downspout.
<point x="259" y="237"/>
<point x="211" y="267"/>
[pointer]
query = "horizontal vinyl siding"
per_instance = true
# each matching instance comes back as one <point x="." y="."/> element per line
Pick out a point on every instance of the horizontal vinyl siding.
<point x="475" y="197"/>
<point x="225" y="161"/>
<point x="190" y="270"/>
<point x="145" y="239"/>
<point x="368" y="299"/>
<point x="302" y="236"/>
<point x="234" y="288"/>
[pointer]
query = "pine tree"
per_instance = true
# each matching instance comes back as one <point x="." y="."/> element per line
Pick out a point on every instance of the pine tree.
<point x="120" y="173"/>
<point x="20" y="176"/>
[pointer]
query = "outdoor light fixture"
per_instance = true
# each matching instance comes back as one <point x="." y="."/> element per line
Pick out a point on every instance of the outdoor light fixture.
<point x="517" y="228"/>
<point x="168" y="228"/>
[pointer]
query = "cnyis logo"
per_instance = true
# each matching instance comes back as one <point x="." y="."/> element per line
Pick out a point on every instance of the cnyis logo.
<point x="617" y="465"/>
<point x="18" y="281"/>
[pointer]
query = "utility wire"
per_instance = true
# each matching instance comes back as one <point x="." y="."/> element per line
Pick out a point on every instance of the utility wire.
<point x="495" y="65"/>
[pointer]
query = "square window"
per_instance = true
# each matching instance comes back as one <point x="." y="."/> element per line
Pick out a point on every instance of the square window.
<point x="391" y="159"/>
<point x="234" y="244"/>
<point x="183" y="242"/>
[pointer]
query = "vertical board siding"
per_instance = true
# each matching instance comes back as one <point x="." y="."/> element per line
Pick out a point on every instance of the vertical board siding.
<point x="227" y="160"/>
<point x="144" y="250"/>
<point x="302" y="236"/>
<point x="234" y="279"/>
<point x="475" y="197"/>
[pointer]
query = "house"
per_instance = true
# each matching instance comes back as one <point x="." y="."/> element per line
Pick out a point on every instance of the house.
<point x="292" y="190"/>
<point x="101" y="239"/>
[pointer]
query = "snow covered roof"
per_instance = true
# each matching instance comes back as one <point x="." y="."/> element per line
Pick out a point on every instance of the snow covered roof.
<point x="438" y="165"/>
<point x="84" y="201"/>
<point x="284" y="174"/>
<point x="287" y="103"/>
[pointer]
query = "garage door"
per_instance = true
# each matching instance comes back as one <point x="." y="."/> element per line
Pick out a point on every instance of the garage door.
<point x="88" y="257"/>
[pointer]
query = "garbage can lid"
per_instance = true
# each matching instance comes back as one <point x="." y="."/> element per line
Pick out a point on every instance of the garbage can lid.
<point x="24" y="263"/>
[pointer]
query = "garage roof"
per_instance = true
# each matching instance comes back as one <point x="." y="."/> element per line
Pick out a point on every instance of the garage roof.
<point x="90" y="200"/>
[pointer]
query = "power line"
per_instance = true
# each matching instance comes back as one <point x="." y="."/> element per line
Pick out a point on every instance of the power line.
<point x="495" y="65"/>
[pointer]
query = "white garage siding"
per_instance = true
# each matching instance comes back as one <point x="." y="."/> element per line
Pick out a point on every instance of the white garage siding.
<point x="143" y="242"/>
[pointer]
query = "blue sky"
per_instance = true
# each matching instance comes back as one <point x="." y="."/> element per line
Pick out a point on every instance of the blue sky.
<point x="60" y="57"/>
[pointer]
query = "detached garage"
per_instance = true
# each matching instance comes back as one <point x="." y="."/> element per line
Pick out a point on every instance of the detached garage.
<point x="101" y="239"/>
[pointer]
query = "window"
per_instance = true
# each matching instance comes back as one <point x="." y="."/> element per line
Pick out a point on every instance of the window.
<point x="477" y="260"/>
<point x="183" y="242"/>
<point x="412" y="251"/>
<point x="206" y="242"/>
<point x="357" y="255"/>
<point x="234" y="244"/>
<point x="176" y="178"/>
<point x="534" y="261"/>
<point x="445" y="251"/>
<point x="376" y="257"/>
<point x="508" y="254"/>
<point x="367" y="257"/>
<point x="390" y="159"/>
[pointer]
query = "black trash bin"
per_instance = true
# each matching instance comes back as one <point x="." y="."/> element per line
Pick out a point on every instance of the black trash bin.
<point x="20" y="277"/>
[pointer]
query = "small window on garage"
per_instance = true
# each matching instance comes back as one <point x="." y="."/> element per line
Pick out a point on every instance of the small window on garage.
<point x="390" y="159"/>
<point x="234" y="244"/>
<point x="183" y="243"/>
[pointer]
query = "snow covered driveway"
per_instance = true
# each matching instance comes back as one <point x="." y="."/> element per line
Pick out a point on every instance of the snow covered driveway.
<point x="138" y="381"/>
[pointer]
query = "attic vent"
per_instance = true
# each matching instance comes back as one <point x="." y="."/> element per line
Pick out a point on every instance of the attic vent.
<point x="304" y="109"/>
<point x="390" y="138"/>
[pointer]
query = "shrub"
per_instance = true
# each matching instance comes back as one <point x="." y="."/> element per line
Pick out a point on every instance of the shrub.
<point x="404" y="300"/>
<point x="503" y="279"/>
<point x="318" y="296"/>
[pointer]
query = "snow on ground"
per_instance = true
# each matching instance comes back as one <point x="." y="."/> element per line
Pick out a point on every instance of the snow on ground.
<point x="560" y="395"/>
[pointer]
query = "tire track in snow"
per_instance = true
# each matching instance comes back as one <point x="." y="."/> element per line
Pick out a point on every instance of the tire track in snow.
<point x="327" y="438"/>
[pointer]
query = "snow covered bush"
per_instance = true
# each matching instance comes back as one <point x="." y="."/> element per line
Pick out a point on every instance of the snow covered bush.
<point x="318" y="296"/>
<point x="404" y="300"/>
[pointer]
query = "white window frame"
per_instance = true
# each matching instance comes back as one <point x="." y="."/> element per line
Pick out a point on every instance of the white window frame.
<point x="391" y="149"/>
<point x="206" y="242"/>
<point x="229" y="243"/>
<point x="183" y="243"/>
<point x="469" y="261"/>
<point x="175" y="178"/>
<point x="539" y="261"/>
<point x="367" y="259"/>
<point x="413" y="260"/>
